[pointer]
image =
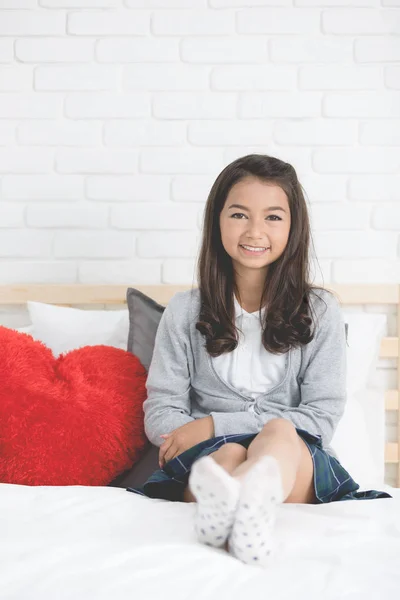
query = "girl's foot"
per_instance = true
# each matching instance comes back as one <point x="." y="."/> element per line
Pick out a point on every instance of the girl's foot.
<point x="217" y="495"/>
<point x="251" y="539"/>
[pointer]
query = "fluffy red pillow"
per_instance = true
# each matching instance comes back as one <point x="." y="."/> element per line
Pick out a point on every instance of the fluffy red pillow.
<point x="75" y="420"/>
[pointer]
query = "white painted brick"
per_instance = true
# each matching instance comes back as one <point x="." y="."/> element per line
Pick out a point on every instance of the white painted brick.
<point x="193" y="22"/>
<point x="42" y="187"/>
<point x="192" y="188"/>
<point x="381" y="133"/>
<point x="54" y="133"/>
<point x="166" y="3"/>
<point x="58" y="215"/>
<point x="18" y="272"/>
<point x="335" y="3"/>
<point x="132" y="272"/>
<point x="96" y="161"/>
<point x="172" y="244"/>
<point x="299" y="158"/>
<point x="356" y="160"/>
<point x="15" y="78"/>
<point x="17" y="243"/>
<point x="311" y="50"/>
<point x="185" y="160"/>
<point x="54" y="50"/>
<point x="279" y="104"/>
<point x="34" y="160"/>
<point x="179" y="272"/>
<point x="366" y="271"/>
<point x="11" y="215"/>
<point x="376" y="188"/>
<point x="339" y="216"/>
<point x="7" y="133"/>
<point x="229" y="133"/>
<point x="224" y="50"/>
<point x="377" y="49"/>
<point x="137" y="188"/>
<point x="336" y="77"/>
<point x="278" y="21"/>
<point x="318" y="132"/>
<point x="360" y="21"/>
<point x="144" y="133"/>
<point x="14" y="22"/>
<point x="362" y="104"/>
<point x="188" y="105"/>
<point x="15" y="4"/>
<point x="386" y="216"/>
<point x="109" y="23"/>
<point x="91" y="244"/>
<point x="137" y="50"/>
<point x="355" y="244"/>
<point x="165" y="77"/>
<point x="6" y="51"/>
<point x="392" y="77"/>
<point x="253" y="77"/>
<point x="324" y="188"/>
<point x="76" y="78"/>
<point x="107" y="105"/>
<point x="80" y="3"/>
<point x="155" y="216"/>
<point x="249" y="3"/>
<point x="30" y="106"/>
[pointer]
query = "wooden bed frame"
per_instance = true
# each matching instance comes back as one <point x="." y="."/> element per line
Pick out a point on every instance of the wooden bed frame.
<point x="69" y="295"/>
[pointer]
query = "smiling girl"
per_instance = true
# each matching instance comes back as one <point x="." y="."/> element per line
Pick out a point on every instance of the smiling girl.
<point x="247" y="382"/>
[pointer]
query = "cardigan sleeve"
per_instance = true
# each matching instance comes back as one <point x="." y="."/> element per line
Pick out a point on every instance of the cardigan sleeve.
<point x="168" y="405"/>
<point x="322" y="389"/>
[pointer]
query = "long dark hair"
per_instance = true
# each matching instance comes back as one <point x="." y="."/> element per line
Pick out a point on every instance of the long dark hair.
<point x="286" y="288"/>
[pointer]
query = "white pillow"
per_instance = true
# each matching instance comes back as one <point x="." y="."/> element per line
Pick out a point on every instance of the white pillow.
<point x="364" y="337"/>
<point x="360" y="437"/>
<point x="62" y="328"/>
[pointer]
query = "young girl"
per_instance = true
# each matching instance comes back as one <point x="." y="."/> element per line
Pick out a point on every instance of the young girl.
<point x="247" y="382"/>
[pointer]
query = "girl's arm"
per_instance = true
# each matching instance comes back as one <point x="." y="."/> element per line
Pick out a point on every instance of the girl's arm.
<point x="323" y="388"/>
<point x="167" y="406"/>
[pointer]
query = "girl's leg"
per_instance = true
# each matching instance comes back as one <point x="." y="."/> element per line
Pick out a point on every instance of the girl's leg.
<point x="279" y="439"/>
<point x="229" y="456"/>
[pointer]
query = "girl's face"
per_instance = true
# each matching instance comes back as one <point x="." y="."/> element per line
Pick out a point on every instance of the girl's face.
<point x="262" y="220"/>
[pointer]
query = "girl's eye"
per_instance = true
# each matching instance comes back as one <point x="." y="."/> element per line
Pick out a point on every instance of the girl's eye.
<point x="242" y="214"/>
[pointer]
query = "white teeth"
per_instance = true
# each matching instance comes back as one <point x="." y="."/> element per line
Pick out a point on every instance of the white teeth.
<point x="253" y="249"/>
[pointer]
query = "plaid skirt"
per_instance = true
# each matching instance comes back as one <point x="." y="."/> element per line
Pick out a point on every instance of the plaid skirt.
<point x="331" y="481"/>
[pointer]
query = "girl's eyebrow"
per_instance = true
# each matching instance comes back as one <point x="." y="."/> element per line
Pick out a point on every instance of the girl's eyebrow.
<point x="265" y="209"/>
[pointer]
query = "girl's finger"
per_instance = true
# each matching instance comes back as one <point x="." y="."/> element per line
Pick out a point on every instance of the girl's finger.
<point x="170" y="453"/>
<point x="163" y="449"/>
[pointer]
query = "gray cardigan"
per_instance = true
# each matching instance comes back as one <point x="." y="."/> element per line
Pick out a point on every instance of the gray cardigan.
<point x="182" y="384"/>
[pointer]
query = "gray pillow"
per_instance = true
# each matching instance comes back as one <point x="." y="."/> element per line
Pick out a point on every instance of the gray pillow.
<point x="144" y="317"/>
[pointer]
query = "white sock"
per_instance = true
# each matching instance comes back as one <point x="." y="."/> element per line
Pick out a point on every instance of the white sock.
<point x="217" y="495"/>
<point x="251" y="539"/>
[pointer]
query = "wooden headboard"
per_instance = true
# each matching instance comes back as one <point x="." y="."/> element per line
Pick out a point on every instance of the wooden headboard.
<point x="69" y="295"/>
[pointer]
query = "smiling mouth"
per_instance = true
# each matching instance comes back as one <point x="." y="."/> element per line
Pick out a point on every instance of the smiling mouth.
<point x="255" y="250"/>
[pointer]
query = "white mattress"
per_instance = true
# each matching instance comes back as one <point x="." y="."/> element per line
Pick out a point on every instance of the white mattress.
<point x="106" y="543"/>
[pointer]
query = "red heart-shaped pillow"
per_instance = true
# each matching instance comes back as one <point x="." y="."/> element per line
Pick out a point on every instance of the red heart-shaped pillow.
<point x="75" y="420"/>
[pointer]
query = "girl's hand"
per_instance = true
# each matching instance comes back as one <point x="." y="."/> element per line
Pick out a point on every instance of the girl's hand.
<point x="185" y="437"/>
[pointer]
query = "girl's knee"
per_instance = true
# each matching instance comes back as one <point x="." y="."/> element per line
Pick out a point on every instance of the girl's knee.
<point x="281" y="426"/>
<point x="233" y="450"/>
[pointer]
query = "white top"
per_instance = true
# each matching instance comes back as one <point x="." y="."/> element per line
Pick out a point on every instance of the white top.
<point x="250" y="368"/>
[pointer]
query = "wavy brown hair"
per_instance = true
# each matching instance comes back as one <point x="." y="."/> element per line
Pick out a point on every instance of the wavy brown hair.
<point x="286" y="292"/>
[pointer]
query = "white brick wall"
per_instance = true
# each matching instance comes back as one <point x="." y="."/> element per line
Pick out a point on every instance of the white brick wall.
<point x="116" y="116"/>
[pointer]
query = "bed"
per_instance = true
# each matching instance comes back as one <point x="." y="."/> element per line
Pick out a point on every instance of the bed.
<point x="72" y="542"/>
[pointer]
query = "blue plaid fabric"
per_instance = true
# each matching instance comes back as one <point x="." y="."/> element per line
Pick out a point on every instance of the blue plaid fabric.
<point x="331" y="481"/>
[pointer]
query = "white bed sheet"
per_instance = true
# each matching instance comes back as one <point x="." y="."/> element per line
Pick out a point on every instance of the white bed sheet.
<point x="81" y="542"/>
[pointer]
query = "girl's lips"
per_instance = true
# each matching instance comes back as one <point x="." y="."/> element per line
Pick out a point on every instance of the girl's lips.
<point x="252" y="253"/>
